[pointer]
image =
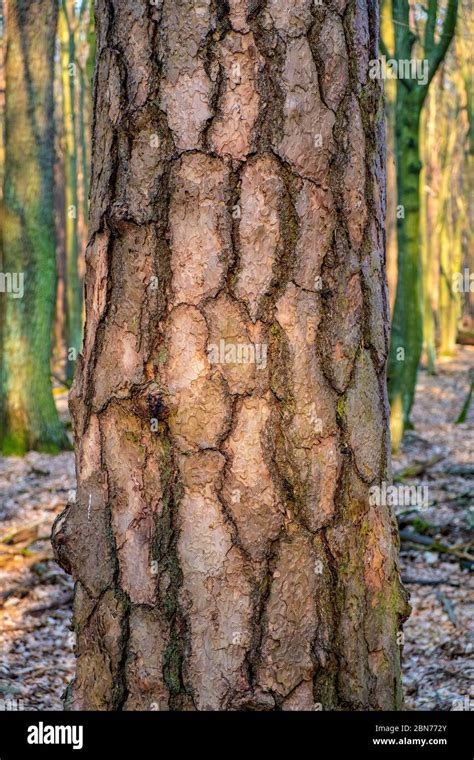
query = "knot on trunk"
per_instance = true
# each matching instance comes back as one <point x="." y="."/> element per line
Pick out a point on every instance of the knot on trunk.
<point x="60" y="540"/>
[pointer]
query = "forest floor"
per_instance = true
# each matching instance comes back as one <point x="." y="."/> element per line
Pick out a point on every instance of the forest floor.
<point x="36" y="650"/>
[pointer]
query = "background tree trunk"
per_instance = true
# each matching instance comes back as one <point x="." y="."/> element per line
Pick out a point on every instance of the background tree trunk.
<point x="28" y="415"/>
<point x="2" y="95"/>
<point x="467" y="73"/>
<point x="448" y="229"/>
<point x="226" y="549"/>
<point x="407" y="325"/>
<point x="70" y="75"/>
<point x="390" y="90"/>
<point x="430" y="258"/>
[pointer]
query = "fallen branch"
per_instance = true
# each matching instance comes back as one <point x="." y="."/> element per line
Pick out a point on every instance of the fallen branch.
<point x="29" y="556"/>
<point x="434" y="545"/>
<point x="430" y="582"/>
<point x="464" y="497"/>
<point x="18" y="535"/>
<point x="61" y="381"/>
<point x="61" y="602"/>
<point x="465" y="407"/>
<point x="35" y="672"/>
<point x="461" y="470"/>
<point x="417" y="468"/>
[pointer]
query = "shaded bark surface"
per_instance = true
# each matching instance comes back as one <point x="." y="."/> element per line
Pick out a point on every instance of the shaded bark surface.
<point x="28" y="417"/>
<point x="73" y="285"/>
<point x="407" y="327"/>
<point x="224" y="547"/>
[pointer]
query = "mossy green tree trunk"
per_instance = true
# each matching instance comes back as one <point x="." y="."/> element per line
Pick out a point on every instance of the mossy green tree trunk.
<point x="2" y="94"/>
<point x="73" y="285"/>
<point x="407" y="325"/>
<point x="230" y="410"/>
<point x="28" y="415"/>
<point x="430" y="259"/>
<point x="407" y="331"/>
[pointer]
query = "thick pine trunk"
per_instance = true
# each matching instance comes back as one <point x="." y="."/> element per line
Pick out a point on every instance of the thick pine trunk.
<point x="28" y="417"/>
<point x="230" y="408"/>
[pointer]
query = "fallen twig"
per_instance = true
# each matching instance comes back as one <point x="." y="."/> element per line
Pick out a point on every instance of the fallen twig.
<point x="465" y="407"/>
<point x="430" y="582"/>
<point x="61" y="602"/>
<point x="61" y="381"/>
<point x="461" y="470"/>
<point x="18" y="535"/>
<point x="416" y="468"/>
<point x="434" y="544"/>
<point x="448" y="606"/>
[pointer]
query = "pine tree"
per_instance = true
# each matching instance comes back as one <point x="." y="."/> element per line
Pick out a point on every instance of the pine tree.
<point x="230" y="408"/>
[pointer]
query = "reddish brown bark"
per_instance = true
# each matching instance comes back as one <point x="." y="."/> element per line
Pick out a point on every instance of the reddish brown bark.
<point x="237" y="206"/>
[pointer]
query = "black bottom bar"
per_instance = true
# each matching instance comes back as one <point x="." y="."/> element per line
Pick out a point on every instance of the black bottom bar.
<point x="134" y="734"/>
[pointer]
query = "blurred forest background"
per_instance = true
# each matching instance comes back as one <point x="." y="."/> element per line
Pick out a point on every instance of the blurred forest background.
<point x="430" y="265"/>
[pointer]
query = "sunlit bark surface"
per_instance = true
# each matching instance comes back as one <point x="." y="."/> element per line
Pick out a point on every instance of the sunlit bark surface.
<point x="230" y="407"/>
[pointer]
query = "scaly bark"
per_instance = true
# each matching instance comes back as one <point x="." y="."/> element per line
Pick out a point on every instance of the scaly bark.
<point x="238" y="162"/>
<point x="28" y="417"/>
